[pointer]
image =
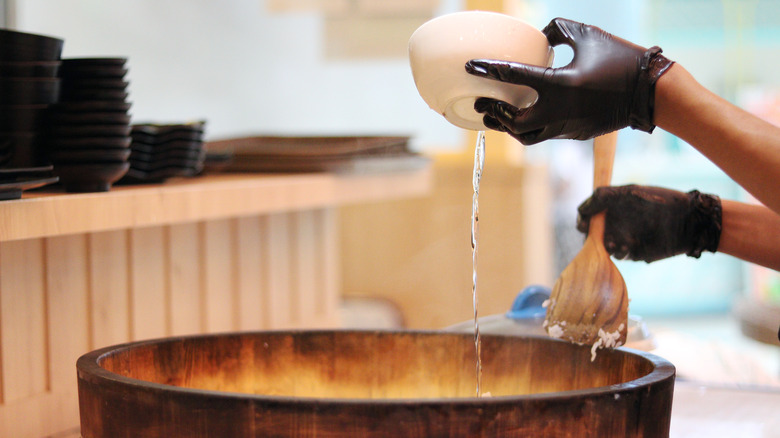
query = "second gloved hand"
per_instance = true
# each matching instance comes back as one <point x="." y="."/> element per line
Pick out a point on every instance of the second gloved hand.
<point x="653" y="223"/>
<point x="609" y="84"/>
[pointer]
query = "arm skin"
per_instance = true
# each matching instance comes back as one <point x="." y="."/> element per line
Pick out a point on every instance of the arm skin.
<point x="742" y="145"/>
<point x="751" y="233"/>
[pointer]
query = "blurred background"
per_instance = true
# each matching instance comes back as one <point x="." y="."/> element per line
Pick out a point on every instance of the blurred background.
<point x="340" y="67"/>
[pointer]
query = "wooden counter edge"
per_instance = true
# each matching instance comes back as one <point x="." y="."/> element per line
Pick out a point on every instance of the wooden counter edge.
<point x="46" y="214"/>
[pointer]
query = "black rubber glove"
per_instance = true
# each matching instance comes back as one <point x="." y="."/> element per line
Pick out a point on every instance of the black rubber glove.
<point x="609" y="84"/>
<point x="653" y="223"/>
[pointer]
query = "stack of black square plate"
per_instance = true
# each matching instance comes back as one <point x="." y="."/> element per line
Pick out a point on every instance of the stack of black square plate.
<point x="162" y="151"/>
<point x="28" y="86"/>
<point x="89" y="129"/>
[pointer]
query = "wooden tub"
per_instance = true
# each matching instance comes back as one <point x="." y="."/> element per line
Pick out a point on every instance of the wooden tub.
<point x="370" y="384"/>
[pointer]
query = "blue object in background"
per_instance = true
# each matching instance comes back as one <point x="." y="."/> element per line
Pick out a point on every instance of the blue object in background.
<point x="529" y="303"/>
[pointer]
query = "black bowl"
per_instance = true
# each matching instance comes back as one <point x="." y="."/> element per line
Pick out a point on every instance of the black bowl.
<point x="90" y="177"/>
<point x="21" y="46"/>
<point x="87" y="94"/>
<point x="22" y="117"/>
<point x="93" y="68"/>
<point x="89" y="83"/>
<point x="89" y="156"/>
<point x="88" y="106"/>
<point x="89" y="118"/>
<point x="6" y="153"/>
<point x="30" y="69"/>
<point x="78" y="63"/>
<point x="21" y="149"/>
<point x="95" y="130"/>
<point x="29" y="91"/>
<point x="56" y="143"/>
<point x="93" y="71"/>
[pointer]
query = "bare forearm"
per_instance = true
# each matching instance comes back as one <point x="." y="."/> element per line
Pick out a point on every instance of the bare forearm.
<point x="751" y="233"/>
<point x="744" y="146"/>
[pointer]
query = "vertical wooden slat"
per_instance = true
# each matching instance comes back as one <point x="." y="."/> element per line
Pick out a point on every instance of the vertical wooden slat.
<point x="148" y="283"/>
<point x="109" y="288"/>
<point x="330" y="263"/>
<point x="305" y="275"/>
<point x="69" y="329"/>
<point x="277" y="262"/>
<point x="2" y="333"/>
<point x="42" y="415"/>
<point x="218" y="270"/>
<point x="250" y="287"/>
<point x="23" y="322"/>
<point x="67" y="284"/>
<point x="184" y="279"/>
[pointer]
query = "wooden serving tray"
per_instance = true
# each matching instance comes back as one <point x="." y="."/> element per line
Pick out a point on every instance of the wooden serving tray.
<point x="317" y="154"/>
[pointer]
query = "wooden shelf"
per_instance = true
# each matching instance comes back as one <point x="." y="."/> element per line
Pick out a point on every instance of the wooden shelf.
<point x="46" y="214"/>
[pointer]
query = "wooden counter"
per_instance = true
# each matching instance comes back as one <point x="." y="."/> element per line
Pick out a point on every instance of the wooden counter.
<point x="46" y="214"/>
<point x="209" y="254"/>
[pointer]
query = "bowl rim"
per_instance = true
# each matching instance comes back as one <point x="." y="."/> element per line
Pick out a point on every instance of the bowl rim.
<point x="89" y="369"/>
<point x="45" y="63"/>
<point x="30" y="36"/>
<point x="473" y="12"/>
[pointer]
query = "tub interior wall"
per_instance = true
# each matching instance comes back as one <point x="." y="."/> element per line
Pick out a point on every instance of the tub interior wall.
<point x="375" y="366"/>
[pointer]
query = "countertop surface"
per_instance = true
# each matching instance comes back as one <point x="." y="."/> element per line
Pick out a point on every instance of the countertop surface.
<point x="721" y="411"/>
<point x="728" y="385"/>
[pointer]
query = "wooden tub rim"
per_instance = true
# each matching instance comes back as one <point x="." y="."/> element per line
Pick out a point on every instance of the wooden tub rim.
<point x="89" y="369"/>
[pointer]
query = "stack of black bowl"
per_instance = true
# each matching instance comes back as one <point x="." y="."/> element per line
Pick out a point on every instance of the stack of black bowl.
<point x="89" y="129"/>
<point x="162" y="151"/>
<point x="28" y="86"/>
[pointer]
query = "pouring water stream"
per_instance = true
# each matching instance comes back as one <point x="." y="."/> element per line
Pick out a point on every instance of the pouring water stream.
<point x="479" y="163"/>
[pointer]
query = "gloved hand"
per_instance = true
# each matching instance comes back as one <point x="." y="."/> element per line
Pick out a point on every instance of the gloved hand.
<point x="653" y="223"/>
<point x="609" y="84"/>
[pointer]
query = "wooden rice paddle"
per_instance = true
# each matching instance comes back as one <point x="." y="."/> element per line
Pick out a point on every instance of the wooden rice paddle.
<point x="590" y="294"/>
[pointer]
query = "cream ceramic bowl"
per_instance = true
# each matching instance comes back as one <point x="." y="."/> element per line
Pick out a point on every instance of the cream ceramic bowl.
<point x="440" y="48"/>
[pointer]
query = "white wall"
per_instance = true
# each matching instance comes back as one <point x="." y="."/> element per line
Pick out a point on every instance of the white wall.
<point x="240" y="67"/>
